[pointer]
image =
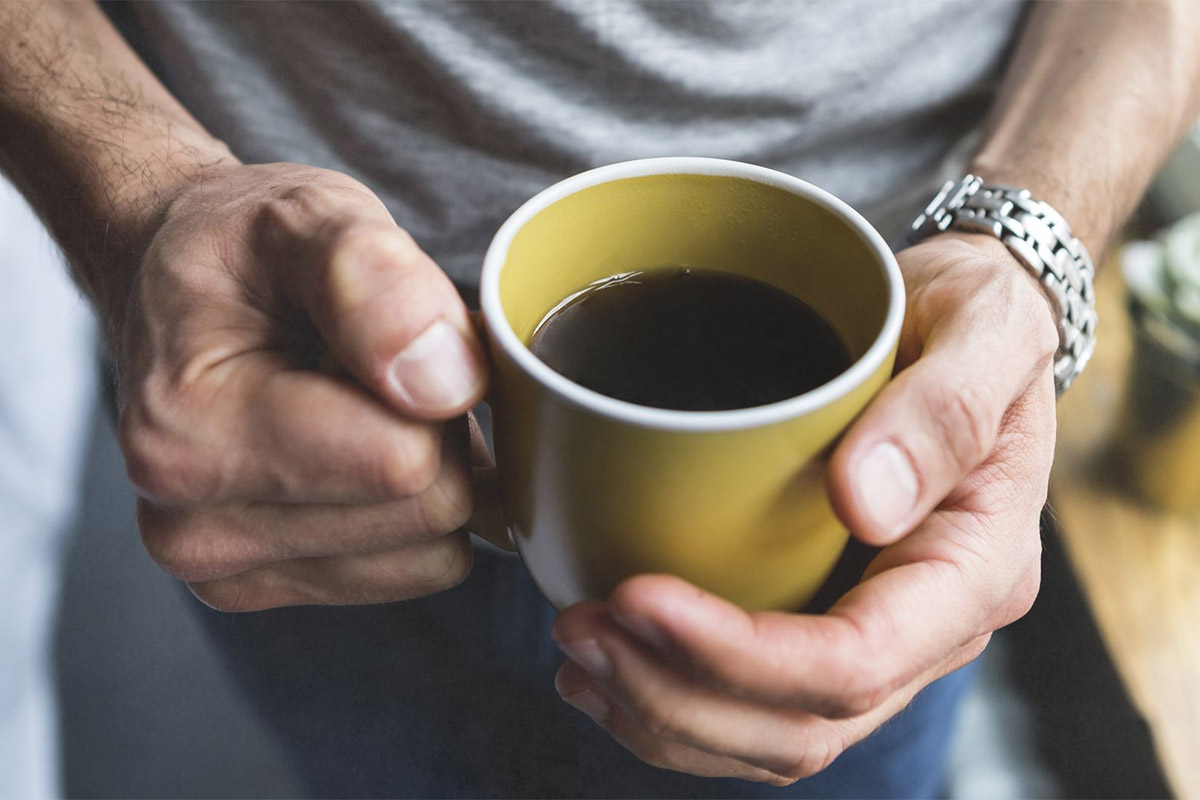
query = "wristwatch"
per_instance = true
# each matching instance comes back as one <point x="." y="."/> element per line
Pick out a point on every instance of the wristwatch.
<point x="1042" y="241"/>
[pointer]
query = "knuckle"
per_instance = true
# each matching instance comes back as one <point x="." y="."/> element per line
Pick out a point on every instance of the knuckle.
<point x="361" y="260"/>
<point x="307" y="200"/>
<point x="447" y="504"/>
<point x="866" y="683"/>
<point x="141" y="452"/>
<point x="1024" y="594"/>
<point x="290" y="213"/>
<point x="169" y="477"/>
<point x="346" y="242"/>
<point x="961" y="414"/>
<point x="410" y="470"/>
<point x="448" y="566"/>
<point x="157" y="465"/>
<point x="187" y="547"/>
<point x="864" y="693"/>
<point x="305" y="195"/>
<point x="372" y="271"/>
<point x="658" y="719"/>
<point x="300" y="203"/>
<point x="816" y="757"/>
<point x="159" y="529"/>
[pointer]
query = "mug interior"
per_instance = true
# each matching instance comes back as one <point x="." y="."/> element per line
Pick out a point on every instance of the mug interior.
<point x="777" y="229"/>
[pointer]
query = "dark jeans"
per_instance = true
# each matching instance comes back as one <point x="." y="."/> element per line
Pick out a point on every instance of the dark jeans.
<point x="452" y="696"/>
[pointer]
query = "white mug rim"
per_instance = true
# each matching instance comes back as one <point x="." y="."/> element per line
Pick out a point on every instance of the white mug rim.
<point x="572" y="393"/>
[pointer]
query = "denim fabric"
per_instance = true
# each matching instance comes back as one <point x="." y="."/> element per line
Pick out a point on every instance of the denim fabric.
<point x="452" y="696"/>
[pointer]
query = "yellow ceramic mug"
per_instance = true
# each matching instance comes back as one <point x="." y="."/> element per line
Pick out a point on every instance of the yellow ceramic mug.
<point x="597" y="489"/>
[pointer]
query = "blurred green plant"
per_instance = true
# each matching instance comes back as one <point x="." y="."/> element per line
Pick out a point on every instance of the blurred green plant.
<point x="1163" y="275"/>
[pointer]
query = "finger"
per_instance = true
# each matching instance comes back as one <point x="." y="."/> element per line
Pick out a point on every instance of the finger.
<point x="204" y="543"/>
<point x="313" y="438"/>
<point x="420" y="569"/>
<point x="383" y="307"/>
<point x="938" y="419"/>
<point x="595" y="698"/>
<point x="254" y="429"/>
<point x="884" y="633"/>
<point x="579" y="691"/>
<point x="669" y="705"/>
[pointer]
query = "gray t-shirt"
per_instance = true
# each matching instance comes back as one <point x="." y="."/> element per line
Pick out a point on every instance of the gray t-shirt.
<point x="456" y="112"/>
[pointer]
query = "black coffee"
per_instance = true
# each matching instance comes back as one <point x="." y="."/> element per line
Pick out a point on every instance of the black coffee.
<point x="690" y="339"/>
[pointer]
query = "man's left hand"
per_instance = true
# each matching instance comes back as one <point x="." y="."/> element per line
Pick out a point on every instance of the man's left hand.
<point x="946" y="471"/>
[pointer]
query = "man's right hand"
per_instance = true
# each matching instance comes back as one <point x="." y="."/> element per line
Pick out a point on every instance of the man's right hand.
<point x="266" y="478"/>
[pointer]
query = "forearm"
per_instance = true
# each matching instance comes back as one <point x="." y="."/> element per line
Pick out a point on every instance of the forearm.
<point x="91" y="138"/>
<point x="1096" y="97"/>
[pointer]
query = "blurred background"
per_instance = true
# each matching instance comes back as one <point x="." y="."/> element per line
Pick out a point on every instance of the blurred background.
<point x="1079" y="699"/>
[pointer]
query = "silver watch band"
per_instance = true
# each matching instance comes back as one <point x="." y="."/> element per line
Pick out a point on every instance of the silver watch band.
<point x="1042" y="241"/>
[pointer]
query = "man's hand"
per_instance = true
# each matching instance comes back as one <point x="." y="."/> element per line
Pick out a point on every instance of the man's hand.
<point x="946" y="470"/>
<point x="294" y="373"/>
<point x="266" y="480"/>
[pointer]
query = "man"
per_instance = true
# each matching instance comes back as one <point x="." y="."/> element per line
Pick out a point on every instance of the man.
<point x="265" y="483"/>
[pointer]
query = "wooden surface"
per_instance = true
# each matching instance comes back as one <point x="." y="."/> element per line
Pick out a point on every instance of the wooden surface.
<point x="1139" y="568"/>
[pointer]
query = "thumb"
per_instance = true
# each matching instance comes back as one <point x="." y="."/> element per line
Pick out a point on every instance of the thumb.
<point x="927" y="430"/>
<point x="393" y="319"/>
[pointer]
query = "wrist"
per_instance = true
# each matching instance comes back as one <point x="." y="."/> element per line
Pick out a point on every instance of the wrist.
<point x="1094" y="216"/>
<point x="1041" y="241"/>
<point x="130" y="194"/>
<point x="102" y="186"/>
<point x="93" y="141"/>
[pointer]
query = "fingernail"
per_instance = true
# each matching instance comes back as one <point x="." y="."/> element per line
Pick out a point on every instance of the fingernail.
<point x="887" y="485"/>
<point x="594" y="704"/>
<point x="438" y="370"/>
<point x="587" y="654"/>
<point x="645" y="630"/>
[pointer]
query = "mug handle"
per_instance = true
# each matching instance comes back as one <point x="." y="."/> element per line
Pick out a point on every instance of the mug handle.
<point x="487" y="518"/>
